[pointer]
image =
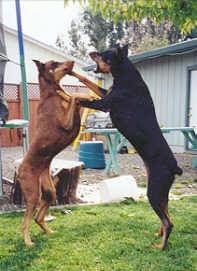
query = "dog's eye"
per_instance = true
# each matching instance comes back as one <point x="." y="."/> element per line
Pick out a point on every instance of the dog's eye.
<point x="107" y="60"/>
<point x="54" y="65"/>
<point x="51" y="70"/>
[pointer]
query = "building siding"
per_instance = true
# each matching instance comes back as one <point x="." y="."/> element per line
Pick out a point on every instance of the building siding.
<point x="166" y="78"/>
<point x="165" y="70"/>
<point x="33" y="50"/>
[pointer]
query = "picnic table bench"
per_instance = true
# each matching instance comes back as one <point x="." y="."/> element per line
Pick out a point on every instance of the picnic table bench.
<point x="115" y="140"/>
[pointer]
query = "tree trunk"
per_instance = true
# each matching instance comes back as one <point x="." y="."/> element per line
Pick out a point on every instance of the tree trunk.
<point x="66" y="182"/>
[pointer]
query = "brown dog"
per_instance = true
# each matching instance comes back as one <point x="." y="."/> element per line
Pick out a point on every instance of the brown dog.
<point x="58" y="123"/>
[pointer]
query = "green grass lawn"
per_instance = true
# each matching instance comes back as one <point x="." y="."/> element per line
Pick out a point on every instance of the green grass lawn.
<point x="112" y="237"/>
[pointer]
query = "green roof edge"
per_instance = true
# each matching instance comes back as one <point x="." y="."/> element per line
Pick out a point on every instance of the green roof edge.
<point x="174" y="49"/>
<point x="177" y="48"/>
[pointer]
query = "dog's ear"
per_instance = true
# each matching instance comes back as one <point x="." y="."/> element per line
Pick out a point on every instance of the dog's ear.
<point x="93" y="55"/>
<point x="116" y="49"/>
<point x="39" y="65"/>
<point x="121" y="52"/>
<point x="125" y="50"/>
<point x="118" y="52"/>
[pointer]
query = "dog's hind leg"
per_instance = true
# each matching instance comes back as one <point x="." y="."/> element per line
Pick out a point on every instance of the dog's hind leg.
<point x="31" y="195"/>
<point x="158" y="196"/>
<point x="166" y="224"/>
<point x="165" y="208"/>
<point x="48" y="197"/>
<point x="26" y="222"/>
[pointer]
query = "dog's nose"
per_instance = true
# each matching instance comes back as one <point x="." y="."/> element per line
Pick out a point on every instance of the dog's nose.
<point x="70" y="62"/>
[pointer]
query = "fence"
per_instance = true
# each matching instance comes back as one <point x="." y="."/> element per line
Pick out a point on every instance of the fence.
<point x="12" y="94"/>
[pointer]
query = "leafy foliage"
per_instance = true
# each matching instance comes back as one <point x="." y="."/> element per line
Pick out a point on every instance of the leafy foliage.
<point x="76" y="46"/>
<point x="101" y="33"/>
<point x="143" y="24"/>
<point x="182" y="13"/>
<point x="96" y="28"/>
<point x="76" y="43"/>
<point x="92" y="31"/>
<point x="147" y="35"/>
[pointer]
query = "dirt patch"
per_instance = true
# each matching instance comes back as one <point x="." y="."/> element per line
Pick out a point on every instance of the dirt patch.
<point x="130" y="164"/>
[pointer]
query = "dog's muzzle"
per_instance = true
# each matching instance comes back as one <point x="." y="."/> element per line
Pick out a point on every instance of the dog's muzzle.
<point x="97" y="69"/>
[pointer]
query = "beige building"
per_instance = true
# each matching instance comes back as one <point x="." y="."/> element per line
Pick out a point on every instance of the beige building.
<point x="33" y="49"/>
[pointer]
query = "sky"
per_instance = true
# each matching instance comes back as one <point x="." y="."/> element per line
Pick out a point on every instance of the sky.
<point x="43" y="20"/>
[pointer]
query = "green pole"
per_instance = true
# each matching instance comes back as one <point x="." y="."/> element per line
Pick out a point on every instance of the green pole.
<point x="25" y="103"/>
<point x="22" y="63"/>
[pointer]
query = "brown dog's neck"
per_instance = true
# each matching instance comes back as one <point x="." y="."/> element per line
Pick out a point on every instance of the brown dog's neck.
<point x="47" y="88"/>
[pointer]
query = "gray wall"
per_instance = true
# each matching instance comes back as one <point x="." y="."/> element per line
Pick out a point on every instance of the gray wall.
<point x="167" y="81"/>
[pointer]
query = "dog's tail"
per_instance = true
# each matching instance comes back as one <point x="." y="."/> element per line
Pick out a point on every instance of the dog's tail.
<point x="177" y="171"/>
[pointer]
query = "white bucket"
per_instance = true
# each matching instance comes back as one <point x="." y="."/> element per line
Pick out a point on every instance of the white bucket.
<point x="119" y="188"/>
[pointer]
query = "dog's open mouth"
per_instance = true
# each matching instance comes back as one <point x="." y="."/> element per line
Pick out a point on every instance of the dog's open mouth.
<point x="66" y="67"/>
<point x="68" y="70"/>
<point x="97" y="70"/>
<point x="103" y="69"/>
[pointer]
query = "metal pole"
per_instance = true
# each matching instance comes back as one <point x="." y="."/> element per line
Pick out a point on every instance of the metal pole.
<point x="2" y="51"/>
<point x="22" y="62"/>
<point x="1" y="174"/>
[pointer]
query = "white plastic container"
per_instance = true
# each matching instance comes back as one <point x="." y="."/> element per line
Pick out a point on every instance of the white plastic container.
<point x="119" y="188"/>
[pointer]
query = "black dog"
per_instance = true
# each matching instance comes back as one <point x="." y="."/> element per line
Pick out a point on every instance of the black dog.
<point x="132" y="112"/>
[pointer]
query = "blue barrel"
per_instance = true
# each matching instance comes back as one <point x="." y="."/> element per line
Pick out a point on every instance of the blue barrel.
<point x="91" y="153"/>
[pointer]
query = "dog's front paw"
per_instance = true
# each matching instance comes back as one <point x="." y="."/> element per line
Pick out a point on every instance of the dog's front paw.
<point x="85" y="103"/>
<point x="92" y="98"/>
<point x="84" y="96"/>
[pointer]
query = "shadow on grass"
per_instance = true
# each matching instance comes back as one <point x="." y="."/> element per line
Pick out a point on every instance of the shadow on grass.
<point x="14" y="255"/>
<point x="21" y="257"/>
